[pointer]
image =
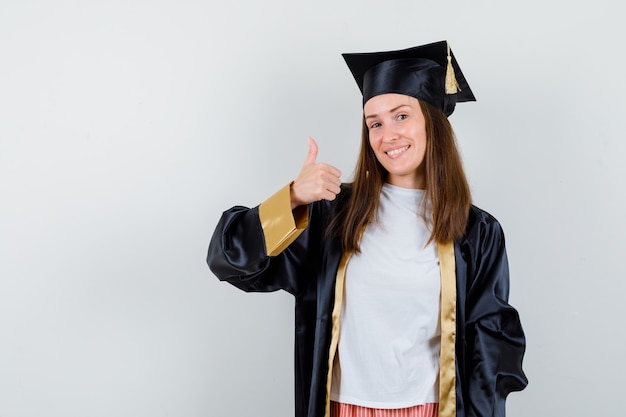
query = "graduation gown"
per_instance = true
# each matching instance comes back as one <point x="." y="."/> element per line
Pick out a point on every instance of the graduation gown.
<point x="269" y="248"/>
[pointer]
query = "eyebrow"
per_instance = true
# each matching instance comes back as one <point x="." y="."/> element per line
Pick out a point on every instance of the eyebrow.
<point x="390" y="111"/>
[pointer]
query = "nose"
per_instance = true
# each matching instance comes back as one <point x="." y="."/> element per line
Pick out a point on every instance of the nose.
<point x="389" y="134"/>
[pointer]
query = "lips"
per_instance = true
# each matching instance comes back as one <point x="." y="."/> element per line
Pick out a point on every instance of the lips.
<point x="397" y="151"/>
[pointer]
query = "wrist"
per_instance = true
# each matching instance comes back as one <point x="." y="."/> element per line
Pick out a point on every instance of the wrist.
<point x="292" y="197"/>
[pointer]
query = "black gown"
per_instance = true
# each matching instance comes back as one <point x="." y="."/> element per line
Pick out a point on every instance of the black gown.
<point x="266" y="249"/>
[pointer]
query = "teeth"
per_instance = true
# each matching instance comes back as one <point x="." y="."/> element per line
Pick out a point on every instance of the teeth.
<point x="397" y="151"/>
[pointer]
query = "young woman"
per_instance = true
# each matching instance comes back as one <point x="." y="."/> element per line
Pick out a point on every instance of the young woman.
<point x="401" y="284"/>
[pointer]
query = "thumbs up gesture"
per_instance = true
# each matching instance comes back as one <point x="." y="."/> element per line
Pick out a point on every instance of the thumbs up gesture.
<point x="316" y="181"/>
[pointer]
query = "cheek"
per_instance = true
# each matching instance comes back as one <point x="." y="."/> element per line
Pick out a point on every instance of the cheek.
<point x="372" y="145"/>
<point x="420" y="138"/>
<point x="374" y="148"/>
<point x="374" y="141"/>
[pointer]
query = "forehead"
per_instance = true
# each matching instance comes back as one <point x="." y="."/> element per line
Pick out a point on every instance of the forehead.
<point x="388" y="102"/>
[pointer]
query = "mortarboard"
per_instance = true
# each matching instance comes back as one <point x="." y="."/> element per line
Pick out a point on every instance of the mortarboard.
<point x="427" y="72"/>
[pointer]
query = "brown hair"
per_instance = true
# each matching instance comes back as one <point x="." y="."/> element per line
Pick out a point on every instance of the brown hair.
<point x="446" y="185"/>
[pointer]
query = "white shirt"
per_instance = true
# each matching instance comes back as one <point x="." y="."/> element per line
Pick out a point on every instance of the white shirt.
<point x="388" y="354"/>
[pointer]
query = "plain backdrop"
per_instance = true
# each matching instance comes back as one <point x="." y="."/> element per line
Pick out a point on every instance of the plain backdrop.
<point x="128" y="126"/>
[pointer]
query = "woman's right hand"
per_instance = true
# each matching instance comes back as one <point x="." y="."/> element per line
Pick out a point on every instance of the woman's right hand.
<point x="316" y="181"/>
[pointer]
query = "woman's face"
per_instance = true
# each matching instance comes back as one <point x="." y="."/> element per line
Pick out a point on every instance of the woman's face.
<point x="397" y="134"/>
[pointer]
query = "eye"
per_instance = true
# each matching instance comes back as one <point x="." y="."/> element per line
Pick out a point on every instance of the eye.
<point x="402" y="116"/>
<point x="374" y="125"/>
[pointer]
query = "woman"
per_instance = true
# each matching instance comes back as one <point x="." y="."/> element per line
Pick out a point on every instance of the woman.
<point x="401" y="285"/>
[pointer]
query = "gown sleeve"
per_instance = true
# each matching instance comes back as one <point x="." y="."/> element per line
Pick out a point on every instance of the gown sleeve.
<point x="495" y="339"/>
<point x="262" y="249"/>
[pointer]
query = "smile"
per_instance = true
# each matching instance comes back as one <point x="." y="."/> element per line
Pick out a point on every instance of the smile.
<point x="398" y="151"/>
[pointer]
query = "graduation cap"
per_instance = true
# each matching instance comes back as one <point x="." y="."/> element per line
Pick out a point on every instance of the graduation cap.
<point x="427" y="72"/>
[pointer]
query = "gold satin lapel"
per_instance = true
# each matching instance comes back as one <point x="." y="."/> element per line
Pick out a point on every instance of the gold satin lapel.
<point x="447" y="366"/>
<point x="281" y="226"/>
<point x="336" y="323"/>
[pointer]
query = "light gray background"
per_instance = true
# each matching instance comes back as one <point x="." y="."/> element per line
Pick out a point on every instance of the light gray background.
<point x="128" y="126"/>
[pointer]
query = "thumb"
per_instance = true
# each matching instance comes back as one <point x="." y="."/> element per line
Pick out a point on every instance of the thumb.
<point x="312" y="155"/>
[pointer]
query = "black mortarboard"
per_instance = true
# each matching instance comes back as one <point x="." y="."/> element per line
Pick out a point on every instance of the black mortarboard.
<point x="428" y="72"/>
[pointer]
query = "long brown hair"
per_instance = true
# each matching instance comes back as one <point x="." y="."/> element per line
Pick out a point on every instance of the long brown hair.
<point x="446" y="185"/>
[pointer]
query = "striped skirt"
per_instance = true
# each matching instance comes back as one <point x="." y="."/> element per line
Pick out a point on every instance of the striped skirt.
<point x="350" y="410"/>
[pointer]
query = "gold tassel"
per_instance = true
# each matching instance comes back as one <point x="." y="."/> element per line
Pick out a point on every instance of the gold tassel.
<point x="452" y="86"/>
